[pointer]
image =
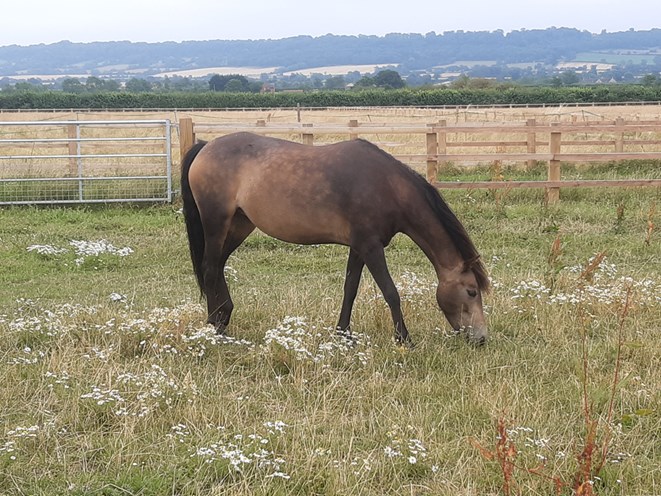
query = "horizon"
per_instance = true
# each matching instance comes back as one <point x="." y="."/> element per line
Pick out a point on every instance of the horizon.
<point x="505" y="32"/>
<point x="43" y="22"/>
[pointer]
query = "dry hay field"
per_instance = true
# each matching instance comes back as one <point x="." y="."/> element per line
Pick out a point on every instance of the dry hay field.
<point x="410" y="148"/>
<point x="112" y="384"/>
<point x="397" y="144"/>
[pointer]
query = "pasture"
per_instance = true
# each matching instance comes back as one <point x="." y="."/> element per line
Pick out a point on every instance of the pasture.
<point x="112" y="384"/>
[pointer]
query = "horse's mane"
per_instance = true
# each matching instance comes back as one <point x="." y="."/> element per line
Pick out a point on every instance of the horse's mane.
<point x="450" y="222"/>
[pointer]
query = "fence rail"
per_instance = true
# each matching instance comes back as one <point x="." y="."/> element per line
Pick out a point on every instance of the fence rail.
<point x="78" y="164"/>
<point x="108" y="161"/>
<point x="548" y="142"/>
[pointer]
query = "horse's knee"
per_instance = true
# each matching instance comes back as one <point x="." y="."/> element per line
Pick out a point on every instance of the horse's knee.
<point x="391" y="295"/>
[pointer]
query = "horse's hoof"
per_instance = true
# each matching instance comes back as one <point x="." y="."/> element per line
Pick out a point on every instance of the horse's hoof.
<point x="221" y="329"/>
<point x="405" y="344"/>
<point x="346" y="336"/>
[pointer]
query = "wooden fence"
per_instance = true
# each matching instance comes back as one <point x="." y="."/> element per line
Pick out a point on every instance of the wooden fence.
<point x="552" y="143"/>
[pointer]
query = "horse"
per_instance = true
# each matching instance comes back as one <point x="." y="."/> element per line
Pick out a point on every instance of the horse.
<point x="350" y="193"/>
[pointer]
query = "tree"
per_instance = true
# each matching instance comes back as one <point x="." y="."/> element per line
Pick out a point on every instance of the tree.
<point x="111" y="85"/>
<point x="182" y="83"/>
<point x="365" y="82"/>
<point x="234" y="86"/>
<point x="238" y="82"/>
<point x="460" y="82"/>
<point x="217" y="83"/>
<point x="389" y="79"/>
<point x="135" y="85"/>
<point x="72" y="85"/>
<point x="648" y="80"/>
<point x="335" y="83"/>
<point x="94" y="84"/>
<point x="569" y="77"/>
<point x="29" y="85"/>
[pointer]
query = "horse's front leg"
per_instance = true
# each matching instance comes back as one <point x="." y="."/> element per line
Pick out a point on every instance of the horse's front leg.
<point x="375" y="259"/>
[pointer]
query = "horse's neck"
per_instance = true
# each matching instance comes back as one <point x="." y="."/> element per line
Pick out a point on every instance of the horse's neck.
<point x="432" y="238"/>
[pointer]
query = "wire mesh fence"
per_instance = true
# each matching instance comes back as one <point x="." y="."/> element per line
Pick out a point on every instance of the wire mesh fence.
<point x="49" y="162"/>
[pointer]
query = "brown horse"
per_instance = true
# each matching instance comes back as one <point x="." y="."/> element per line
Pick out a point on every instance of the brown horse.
<point x="349" y="193"/>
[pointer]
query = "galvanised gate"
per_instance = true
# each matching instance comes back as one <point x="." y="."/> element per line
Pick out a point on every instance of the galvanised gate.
<point x="66" y="162"/>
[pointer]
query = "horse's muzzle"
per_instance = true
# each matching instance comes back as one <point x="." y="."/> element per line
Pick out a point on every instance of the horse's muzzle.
<point x="476" y="336"/>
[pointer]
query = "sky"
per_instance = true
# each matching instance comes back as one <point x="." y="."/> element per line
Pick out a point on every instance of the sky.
<point x="48" y="21"/>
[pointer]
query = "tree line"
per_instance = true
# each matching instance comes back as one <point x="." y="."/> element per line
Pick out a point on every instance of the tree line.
<point x="232" y="83"/>
<point x="423" y="97"/>
<point x="410" y="52"/>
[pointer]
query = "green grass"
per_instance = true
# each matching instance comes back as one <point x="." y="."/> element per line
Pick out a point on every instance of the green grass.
<point x="627" y="169"/>
<point x="135" y="396"/>
<point x="614" y="58"/>
<point x="93" y="190"/>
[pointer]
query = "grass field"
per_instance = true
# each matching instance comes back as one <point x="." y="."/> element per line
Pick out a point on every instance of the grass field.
<point x="615" y="58"/>
<point x="111" y="383"/>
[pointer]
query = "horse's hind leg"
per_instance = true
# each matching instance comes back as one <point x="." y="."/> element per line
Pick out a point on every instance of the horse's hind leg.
<point x="219" y="302"/>
<point x="355" y="266"/>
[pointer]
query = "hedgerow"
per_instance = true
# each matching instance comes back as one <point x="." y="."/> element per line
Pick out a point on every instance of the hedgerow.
<point x="519" y="95"/>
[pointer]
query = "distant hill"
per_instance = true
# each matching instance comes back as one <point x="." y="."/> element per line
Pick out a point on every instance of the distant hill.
<point x="411" y="52"/>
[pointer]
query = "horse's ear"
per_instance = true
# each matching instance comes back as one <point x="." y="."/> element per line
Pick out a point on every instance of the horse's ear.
<point x="475" y="264"/>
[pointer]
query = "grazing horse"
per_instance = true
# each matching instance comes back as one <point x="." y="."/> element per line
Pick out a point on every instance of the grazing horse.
<point x="350" y="193"/>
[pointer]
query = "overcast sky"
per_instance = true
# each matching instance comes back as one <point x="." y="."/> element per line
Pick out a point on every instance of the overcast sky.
<point x="32" y="22"/>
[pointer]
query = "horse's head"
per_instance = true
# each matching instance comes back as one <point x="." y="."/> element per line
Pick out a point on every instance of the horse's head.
<point x="460" y="297"/>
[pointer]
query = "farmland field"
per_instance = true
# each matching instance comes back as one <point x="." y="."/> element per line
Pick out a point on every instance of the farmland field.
<point x="615" y="58"/>
<point x="112" y="384"/>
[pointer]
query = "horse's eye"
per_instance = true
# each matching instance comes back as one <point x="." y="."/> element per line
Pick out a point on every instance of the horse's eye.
<point x="472" y="293"/>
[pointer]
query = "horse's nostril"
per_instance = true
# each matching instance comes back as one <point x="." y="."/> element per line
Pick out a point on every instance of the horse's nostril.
<point x="477" y="340"/>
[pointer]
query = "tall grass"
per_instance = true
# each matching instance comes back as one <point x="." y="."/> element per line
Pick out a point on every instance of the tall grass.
<point x="112" y="384"/>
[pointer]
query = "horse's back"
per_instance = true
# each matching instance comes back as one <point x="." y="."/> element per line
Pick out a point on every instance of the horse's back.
<point x="300" y="193"/>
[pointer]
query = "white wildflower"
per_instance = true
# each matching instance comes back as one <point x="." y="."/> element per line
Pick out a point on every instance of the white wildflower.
<point x="46" y="249"/>
<point x="391" y="452"/>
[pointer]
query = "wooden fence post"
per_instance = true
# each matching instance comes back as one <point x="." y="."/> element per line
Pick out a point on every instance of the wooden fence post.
<point x="619" y="136"/>
<point x="531" y="142"/>
<point x="186" y="135"/>
<point x="442" y="145"/>
<point x="353" y="123"/>
<point x="553" y="194"/>
<point x="432" y="154"/>
<point x="307" y="138"/>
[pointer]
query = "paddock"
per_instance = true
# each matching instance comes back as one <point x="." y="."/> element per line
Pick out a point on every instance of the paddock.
<point x="112" y="382"/>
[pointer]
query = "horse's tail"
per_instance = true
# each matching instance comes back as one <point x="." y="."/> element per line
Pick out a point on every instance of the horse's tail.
<point x="192" y="215"/>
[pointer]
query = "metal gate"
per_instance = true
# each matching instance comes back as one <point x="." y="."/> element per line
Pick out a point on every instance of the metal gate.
<point x="60" y="162"/>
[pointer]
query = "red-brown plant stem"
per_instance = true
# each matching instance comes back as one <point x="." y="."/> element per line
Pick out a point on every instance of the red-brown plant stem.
<point x="616" y="378"/>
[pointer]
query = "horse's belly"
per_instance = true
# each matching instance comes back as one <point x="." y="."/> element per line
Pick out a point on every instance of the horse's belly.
<point x="300" y="227"/>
